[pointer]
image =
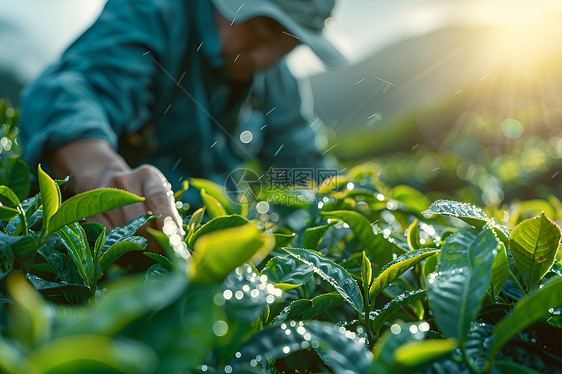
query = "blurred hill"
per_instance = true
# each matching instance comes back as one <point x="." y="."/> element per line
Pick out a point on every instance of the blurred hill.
<point x="415" y="91"/>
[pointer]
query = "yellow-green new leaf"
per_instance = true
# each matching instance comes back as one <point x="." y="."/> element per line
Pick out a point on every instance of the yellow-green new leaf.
<point x="533" y="244"/>
<point x="415" y="354"/>
<point x="214" y="207"/>
<point x="366" y="271"/>
<point x="89" y="204"/>
<point x="220" y="252"/>
<point x="50" y="197"/>
<point x="500" y="269"/>
<point x="395" y="268"/>
<point x="414" y="236"/>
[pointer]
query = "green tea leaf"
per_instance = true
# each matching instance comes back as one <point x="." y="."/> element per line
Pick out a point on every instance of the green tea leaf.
<point x="23" y="247"/>
<point x="344" y="354"/>
<point x="500" y="270"/>
<point x="527" y="311"/>
<point x="7" y="213"/>
<point x="395" y="268"/>
<point x="416" y="354"/>
<point x="379" y="317"/>
<point x="30" y="323"/>
<point x="47" y="288"/>
<point x="463" y="274"/>
<point x="118" y="234"/>
<point x="194" y="222"/>
<point x="309" y="309"/>
<point x="333" y="273"/>
<point x="468" y="213"/>
<point x="366" y="271"/>
<point x="81" y="352"/>
<point x="414" y="236"/>
<point x="218" y="223"/>
<point x="402" y="352"/>
<point x="63" y="266"/>
<point x="163" y="261"/>
<point x="364" y="231"/>
<point x="74" y="239"/>
<point x="214" y="190"/>
<point x="117" y="250"/>
<point x="6" y="261"/>
<point x="412" y="199"/>
<point x="89" y="204"/>
<point x="213" y="206"/>
<point x="50" y="198"/>
<point x="533" y="244"/>
<point x="218" y="253"/>
<point x="7" y="193"/>
<point x="313" y="235"/>
<point x="286" y="273"/>
<point x="15" y="174"/>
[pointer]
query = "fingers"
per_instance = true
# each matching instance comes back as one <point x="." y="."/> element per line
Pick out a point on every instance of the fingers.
<point x="146" y="181"/>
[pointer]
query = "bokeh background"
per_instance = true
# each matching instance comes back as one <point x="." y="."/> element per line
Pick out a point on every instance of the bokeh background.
<point x="460" y="99"/>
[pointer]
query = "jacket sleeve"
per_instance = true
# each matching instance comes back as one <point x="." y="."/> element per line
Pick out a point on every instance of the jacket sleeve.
<point x="290" y="138"/>
<point x="103" y="85"/>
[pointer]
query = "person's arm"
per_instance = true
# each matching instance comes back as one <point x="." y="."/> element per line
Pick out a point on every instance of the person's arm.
<point x="94" y="164"/>
<point x="104" y="86"/>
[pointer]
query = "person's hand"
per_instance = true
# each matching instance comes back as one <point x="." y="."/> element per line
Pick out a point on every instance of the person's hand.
<point x="94" y="164"/>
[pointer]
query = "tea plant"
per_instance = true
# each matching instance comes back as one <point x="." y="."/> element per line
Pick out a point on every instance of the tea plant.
<point x="353" y="276"/>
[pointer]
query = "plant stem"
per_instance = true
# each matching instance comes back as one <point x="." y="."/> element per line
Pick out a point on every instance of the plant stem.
<point x="367" y="321"/>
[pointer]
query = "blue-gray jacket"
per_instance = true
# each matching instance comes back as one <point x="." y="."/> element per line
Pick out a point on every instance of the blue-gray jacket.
<point x="121" y="75"/>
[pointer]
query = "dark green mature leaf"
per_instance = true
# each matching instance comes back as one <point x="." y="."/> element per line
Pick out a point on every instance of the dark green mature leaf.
<point x="63" y="266"/>
<point x="395" y="268"/>
<point x="53" y="288"/>
<point x="345" y="354"/>
<point x="309" y="309"/>
<point x="470" y="214"/>
<point x="22" y="247"/>
<point x="286" y="273"/>
<point x="119" y="249"/>
<point x="6" y="261"/>
<point x="528" y="311"/>
<point x="533" y="244"/>
<point x="75" y="240"/>
<point x="126" y="232"/>
<point x="313" y="235"/>
<point x="463" y="274"/>
<point x="218" y="223"/>
<point x="89" y="204"/>
<point x="401" y="351"/>
<point x="333" y="273"/>
<point x="15" y="174"/>
<point x="379" y="317"/>
<point x="364" y="231"/>
<point x="163" y="261"/>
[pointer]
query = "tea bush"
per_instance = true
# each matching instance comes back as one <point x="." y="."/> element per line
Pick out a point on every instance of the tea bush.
<point x="352" y="276"/>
